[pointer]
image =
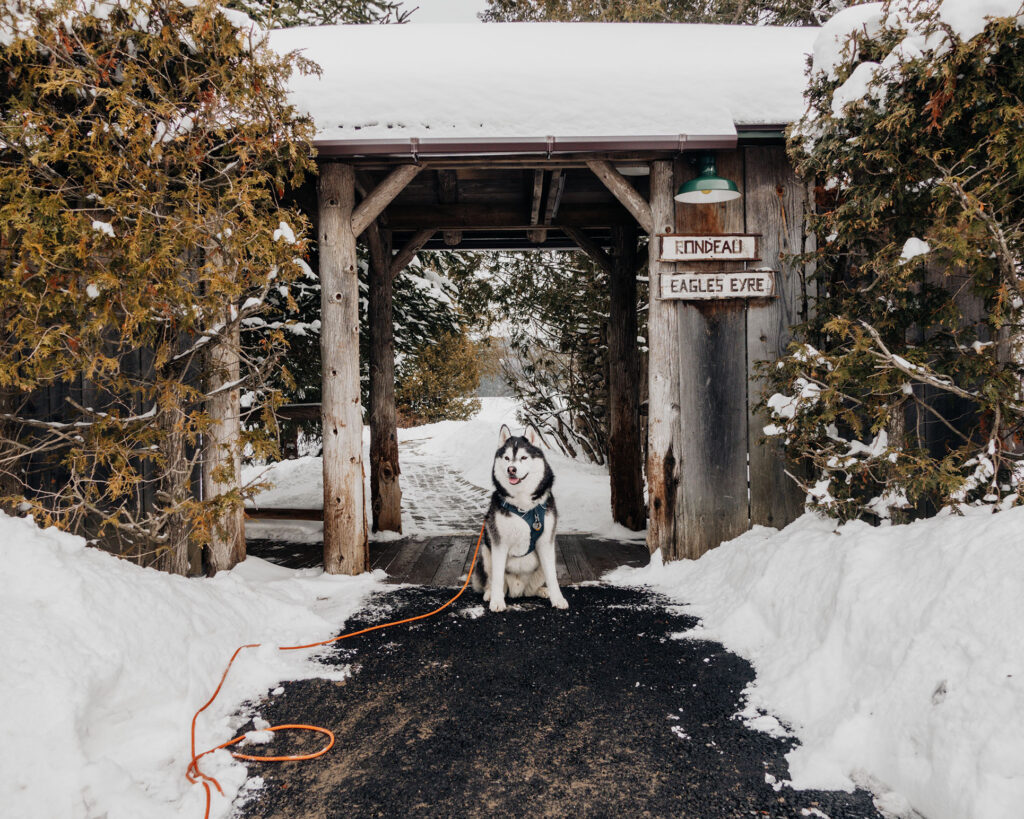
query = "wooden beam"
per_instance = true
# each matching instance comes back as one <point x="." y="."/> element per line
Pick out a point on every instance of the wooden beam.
<point x="448" y="194"/>
<point x="554" y="195"/>
<point x="537" y="236"/>
<point x="625" y="442"/>
<point x="364" y="187"/>
<point x="381" y="196"/>
<point x="385" y="488"/>
<point x="480" y="216"/>
<point x="663" y="417"/>
<point x="568" y="160"/>
<point x="345" y="545"/>
<point x="556" y="184"/>
<point x="625" y="193"/>
<point x="594" y="251"/>
<point x="408" y="252"/>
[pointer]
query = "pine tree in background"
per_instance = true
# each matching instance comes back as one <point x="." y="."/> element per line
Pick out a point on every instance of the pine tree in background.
<point x="426" y="307"/>
<point x="426" y="312"/>
<point x="143" y="148"/>
<point x="762" y="12"/>
<point x="288" y="13"/>
<point x="555" y="307"/>
<point x="437" y="382"/>
<point x="904" y="393"/>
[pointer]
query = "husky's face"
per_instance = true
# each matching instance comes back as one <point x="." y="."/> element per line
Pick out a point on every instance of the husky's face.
<point x="520" y="469"/>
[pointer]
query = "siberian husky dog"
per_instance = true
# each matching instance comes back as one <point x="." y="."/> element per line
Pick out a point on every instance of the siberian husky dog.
<point x="519" y="532"/>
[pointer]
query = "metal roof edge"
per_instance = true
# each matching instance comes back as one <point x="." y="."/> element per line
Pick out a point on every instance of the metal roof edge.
<point x="549" y="145"/>
<point x="761" y="133"/>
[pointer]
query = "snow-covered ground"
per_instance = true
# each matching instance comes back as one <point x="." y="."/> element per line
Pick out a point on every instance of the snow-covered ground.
<point x="438" y="461"/>
<point x="896" y="653"/>
<point x="102" y="665"/>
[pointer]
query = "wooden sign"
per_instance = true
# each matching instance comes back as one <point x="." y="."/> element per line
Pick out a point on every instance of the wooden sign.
<point x="733" y="284"/>
<point x="715" y="248"/>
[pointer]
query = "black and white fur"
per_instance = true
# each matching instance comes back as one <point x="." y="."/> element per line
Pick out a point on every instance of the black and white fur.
<point x="523" y="479"/>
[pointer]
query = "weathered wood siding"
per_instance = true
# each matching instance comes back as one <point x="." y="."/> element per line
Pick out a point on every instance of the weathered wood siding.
<point x="775" y="206"/>
<point x="704" y="432"/>
<point x="711" y="351"/>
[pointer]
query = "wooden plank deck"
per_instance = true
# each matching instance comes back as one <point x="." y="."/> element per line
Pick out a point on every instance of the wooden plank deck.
<point x="443" y="560"/>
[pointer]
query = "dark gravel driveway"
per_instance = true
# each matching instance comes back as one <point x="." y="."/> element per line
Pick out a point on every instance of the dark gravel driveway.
<point x="597" y="711"/>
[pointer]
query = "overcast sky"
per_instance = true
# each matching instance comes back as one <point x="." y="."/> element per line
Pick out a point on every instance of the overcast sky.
<point x="445" y="11"/>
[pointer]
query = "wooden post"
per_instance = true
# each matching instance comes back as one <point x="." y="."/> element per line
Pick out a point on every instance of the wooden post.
<point x="222" y="456"/>
<point x="345" y="545"/>
<point x="663" y="443"/>
<point x="385" y="490"/>
<point x="625" y="452"/>
<point x="712" y="393"/>
<point x="775" y="201"/>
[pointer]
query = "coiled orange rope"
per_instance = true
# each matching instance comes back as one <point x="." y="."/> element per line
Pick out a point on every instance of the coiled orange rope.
<point x="195" y="775"/>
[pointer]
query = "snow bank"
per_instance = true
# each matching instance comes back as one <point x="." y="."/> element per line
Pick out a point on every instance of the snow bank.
<point x="464" y="81"/>
<point x="895" y="653"/>
<point x="102" y="665"/>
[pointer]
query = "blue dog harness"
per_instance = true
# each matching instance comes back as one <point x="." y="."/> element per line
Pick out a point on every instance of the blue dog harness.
<point x="533" y="518"/>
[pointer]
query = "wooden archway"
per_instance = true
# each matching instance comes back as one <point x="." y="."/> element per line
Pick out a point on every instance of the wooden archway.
<point x="709" y="474"/>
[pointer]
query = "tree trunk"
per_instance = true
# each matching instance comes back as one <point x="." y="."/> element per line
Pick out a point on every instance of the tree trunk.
<point x="222" y="456"/>
<point x="625" y="453"/>
<point x="385" y="490"/>
<point x="173" y="491"/>
<point x="10" y="463"/>
<point x="345" y="546"/>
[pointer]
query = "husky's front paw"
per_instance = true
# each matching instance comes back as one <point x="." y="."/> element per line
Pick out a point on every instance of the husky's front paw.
<point x="497" y="605"/>
<point x="559" y="602"/>
<point x="487" y="595"/>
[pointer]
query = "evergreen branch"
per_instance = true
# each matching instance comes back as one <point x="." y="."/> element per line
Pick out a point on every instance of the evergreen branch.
<point x="922" y="375"/>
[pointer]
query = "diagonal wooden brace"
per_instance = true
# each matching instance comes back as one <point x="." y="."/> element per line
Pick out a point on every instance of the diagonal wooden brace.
<point x="382" y="196"/>
<point x="624" y="192"/>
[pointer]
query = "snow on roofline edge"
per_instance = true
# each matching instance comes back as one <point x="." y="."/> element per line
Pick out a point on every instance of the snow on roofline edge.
<point x="549" y="145"/>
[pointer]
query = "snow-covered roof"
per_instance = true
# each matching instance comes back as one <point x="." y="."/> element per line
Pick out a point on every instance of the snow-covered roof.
<point x="559" y="83"/>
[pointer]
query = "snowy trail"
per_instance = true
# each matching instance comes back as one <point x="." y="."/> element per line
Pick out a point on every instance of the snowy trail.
<point x="445" y="480"/>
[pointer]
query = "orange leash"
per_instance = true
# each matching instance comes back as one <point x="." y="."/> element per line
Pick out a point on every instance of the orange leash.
<point x="195" y="775"/>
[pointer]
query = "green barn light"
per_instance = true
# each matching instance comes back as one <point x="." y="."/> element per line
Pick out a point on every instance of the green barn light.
<point x="709" y="187"/>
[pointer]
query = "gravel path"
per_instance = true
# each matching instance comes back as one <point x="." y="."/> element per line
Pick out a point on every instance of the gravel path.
<point x="598" y="711"/>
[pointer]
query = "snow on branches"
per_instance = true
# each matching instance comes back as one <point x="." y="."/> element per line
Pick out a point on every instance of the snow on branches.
<point x="918" y="332"/>
<point x="144" y="149"/>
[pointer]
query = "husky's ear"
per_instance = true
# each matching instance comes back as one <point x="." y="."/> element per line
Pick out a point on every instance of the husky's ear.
<point x="504" y="434"/>
<point x="533" y="436"/>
